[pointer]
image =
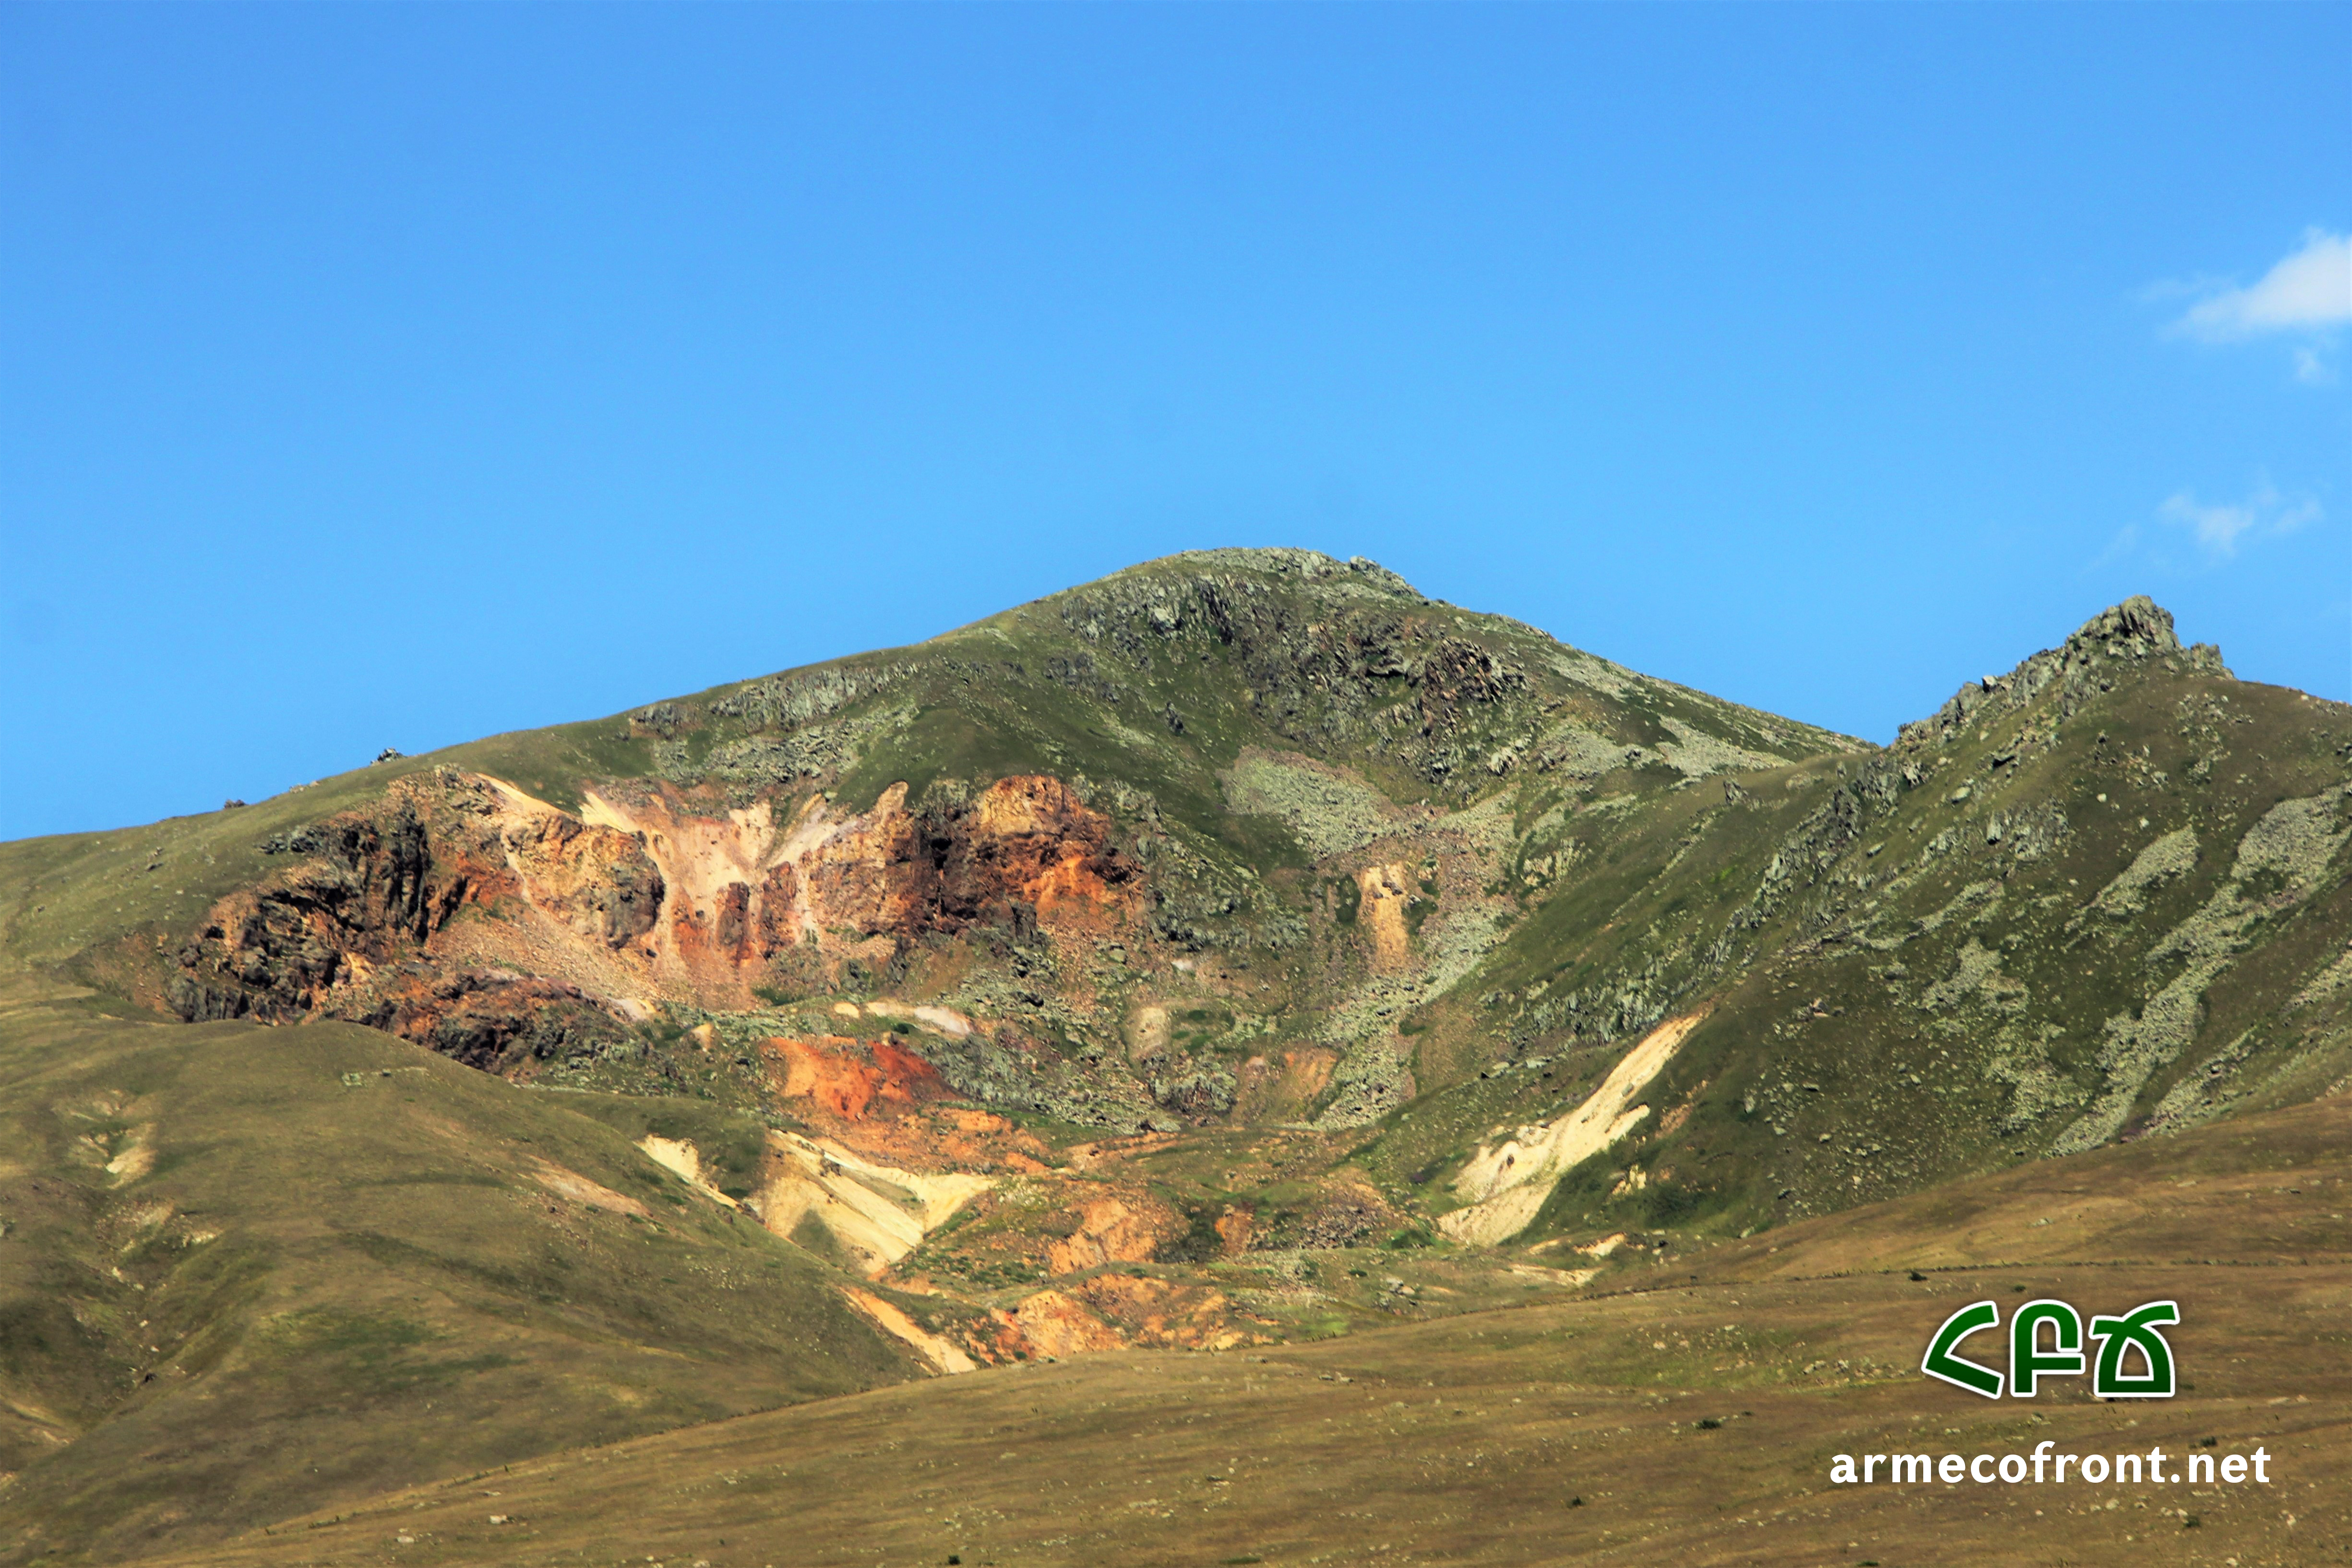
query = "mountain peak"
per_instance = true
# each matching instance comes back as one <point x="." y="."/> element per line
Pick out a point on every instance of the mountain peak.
<point x="2139" y="628"/>
<point x="1308" y="568"/>
<point x="2121" y="641"/>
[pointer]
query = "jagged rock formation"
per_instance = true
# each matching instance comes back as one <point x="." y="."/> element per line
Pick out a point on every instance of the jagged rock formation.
<point x="647" y="900"/>
<point x="2107" y="648"/>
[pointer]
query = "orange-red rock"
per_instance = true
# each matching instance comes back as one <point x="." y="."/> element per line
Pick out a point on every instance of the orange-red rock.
<point x="846" y="1079"/>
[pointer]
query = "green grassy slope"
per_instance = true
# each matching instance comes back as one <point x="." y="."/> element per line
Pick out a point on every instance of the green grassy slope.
<point x="2114" y="911"/>
<point x="245" y="1272"/>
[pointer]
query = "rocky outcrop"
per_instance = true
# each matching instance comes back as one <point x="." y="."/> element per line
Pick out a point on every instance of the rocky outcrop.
<point x="353" y="930"/>
<point x="506" y="1024"/>
<point x="785" y="701"/>
<point x="575" y="919"/>
<point x="2281" y="862"/>
<point x="739" y="892"/>
<point x="282" y="950"/>
<point x="1025" y="849"/>
<point x="1110" y="1230"/>
<point x="849" y="1080"/>
<point x="1025" y="854"/>
<point x="1332" y="655"/>
<point x="597" y="880"/>
<point x="2114" y="644"/>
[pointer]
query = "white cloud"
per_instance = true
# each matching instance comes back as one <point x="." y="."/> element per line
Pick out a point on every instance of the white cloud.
<point x="2219" y="528"/>
<point x="2126" y="540"/>
<point x="2310" y="290"/>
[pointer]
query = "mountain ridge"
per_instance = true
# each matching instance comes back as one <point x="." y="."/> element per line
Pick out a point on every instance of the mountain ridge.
<point x="1155" y="964"/>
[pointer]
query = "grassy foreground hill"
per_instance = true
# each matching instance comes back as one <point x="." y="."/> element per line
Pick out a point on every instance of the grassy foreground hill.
<point x="236" y="1282"/>
<point x="1683" y="1415"/>
<point x="1239" y="951"/>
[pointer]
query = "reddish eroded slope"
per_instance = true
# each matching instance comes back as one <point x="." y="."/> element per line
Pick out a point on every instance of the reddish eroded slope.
<point x="361" y="927"/>
<point x="879" y="1119"/>
<point x="1026" y="852"/>
<point x="467" y="915"/>
<point x="829" y="1072"/>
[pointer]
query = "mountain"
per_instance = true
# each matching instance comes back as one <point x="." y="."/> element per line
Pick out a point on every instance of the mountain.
<point x="1134" y="968"/>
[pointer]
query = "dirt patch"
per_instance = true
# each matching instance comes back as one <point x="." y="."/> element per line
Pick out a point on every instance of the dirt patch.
<point x="943" y="1353"/>
<point x="877" y="1213"/>
<point x="1110" y="1230"/>
<point x="1507" y="1184"/>
<point x="571" y="1184"/>
<point x="1384" y="892"/>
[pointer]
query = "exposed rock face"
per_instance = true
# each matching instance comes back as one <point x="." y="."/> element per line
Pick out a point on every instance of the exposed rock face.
<point x="1027" y="847"/>
<point x="835" y="1073"/>
<point x="1110" y="1230"/>
<point x="355" y="932"/>
<point x="499" y="1023"/>
<point x="1051" y="1323"/>
<point x="279" y="951"/>
<point x="1026" y="854"/>
<point x="598" y="881"/>
<point x="633" y="897"/>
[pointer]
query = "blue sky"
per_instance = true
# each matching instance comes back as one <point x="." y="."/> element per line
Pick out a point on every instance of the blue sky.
<point x="393" y="376"/>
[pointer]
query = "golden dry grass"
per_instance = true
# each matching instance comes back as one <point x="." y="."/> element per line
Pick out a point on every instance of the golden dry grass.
<point x="1571" y="1431"/>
